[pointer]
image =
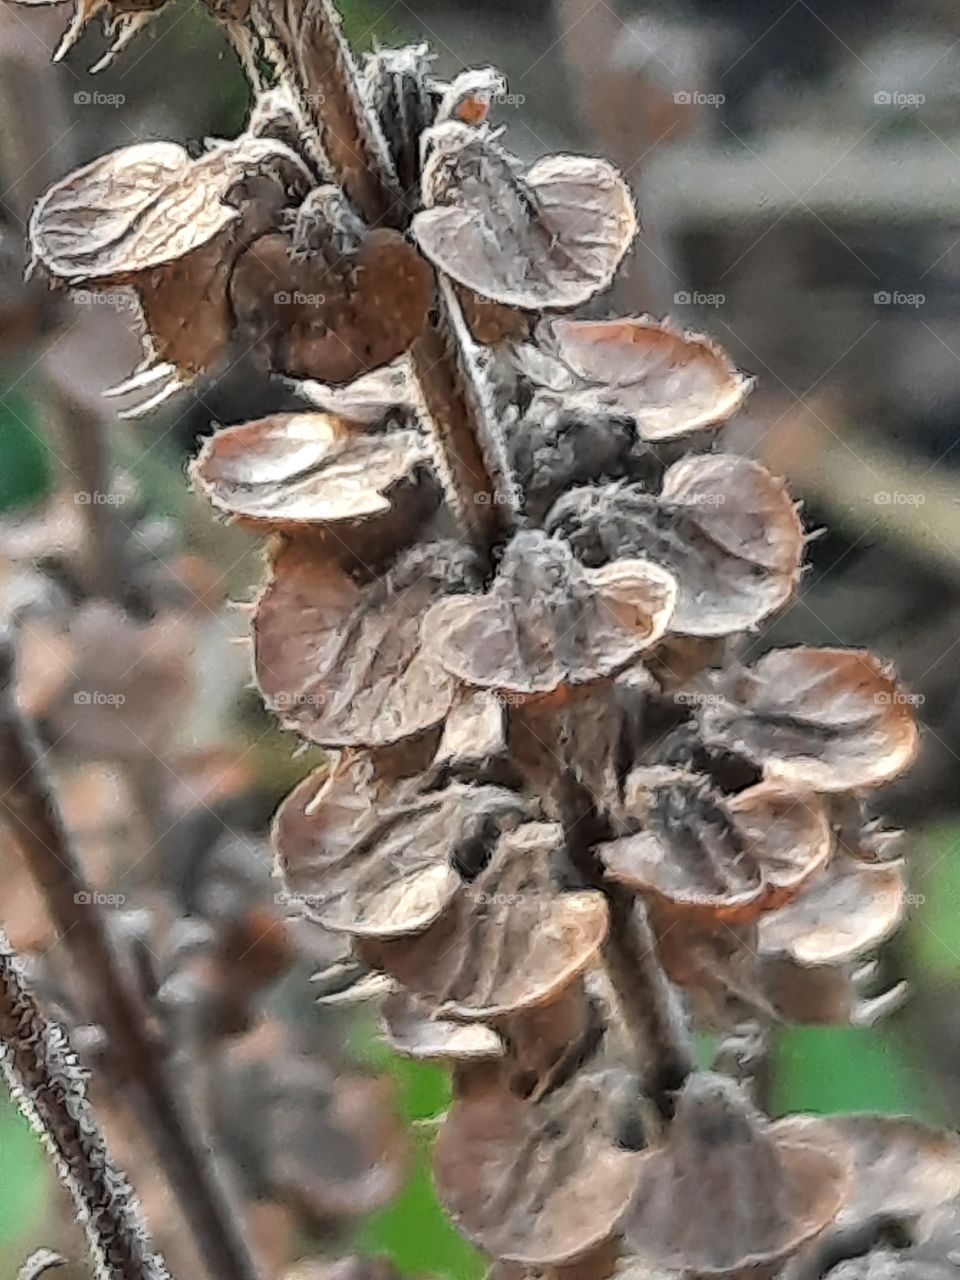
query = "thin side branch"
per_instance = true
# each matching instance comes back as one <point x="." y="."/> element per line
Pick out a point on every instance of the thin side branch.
<point x="50" y="1089"/>
<point x="29" y="807"/>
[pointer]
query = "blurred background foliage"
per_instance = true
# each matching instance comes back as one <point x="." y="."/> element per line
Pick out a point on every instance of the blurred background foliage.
<point x="798" y="285"/>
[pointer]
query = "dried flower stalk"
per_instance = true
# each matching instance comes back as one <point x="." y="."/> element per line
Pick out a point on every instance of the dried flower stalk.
<point x="565" y="821"/>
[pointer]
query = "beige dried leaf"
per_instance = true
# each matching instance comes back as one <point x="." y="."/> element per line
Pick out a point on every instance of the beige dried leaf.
<point x="845" y="912"/>
<point x="343" y="663"/>
<point x="549" y="238"/>
<point x="378" y="859"/>
<point x="410" y="1029"/>
<point x="509" y="939"/>
<point x="292" y="470"/>
<point x="535" y="1182"/>
<point x="715" y="856"/>
<point x="729" y="1191"/>
<point x="369" y="399"/>
<point x="671" y="382"/>
<point x="143" y="207"/>
<point x="549" y="624"/>
<point x="824" y="719"/>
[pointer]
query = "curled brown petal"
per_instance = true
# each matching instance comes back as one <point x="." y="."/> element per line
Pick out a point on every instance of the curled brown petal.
<point x="551" y="237"/>
<point x="722" y="525"/>
<point x="547" y="623"/>
<point x="825" y="719"/>
<point x="669" y="381"/>
<point x="292" y="470"/>
<point x="342" y="663"/>
<point x="758" y="1193"/>
<point x="716" y="856"/>
<point x="509" y="939"/>
<point x="411" y="1030"/>
<point x="376" y="858"/>
<point x="846" y="911"/>
<point x="535" y="1182"/>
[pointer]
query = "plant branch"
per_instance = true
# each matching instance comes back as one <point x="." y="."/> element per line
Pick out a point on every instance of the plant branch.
<point x="29" y="807"/>
<point x="49" y="1087"/>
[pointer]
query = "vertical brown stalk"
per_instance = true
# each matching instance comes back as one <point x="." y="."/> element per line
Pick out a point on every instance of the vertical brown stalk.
<point x="50" y="1089"/>
<point x="29" y="808"/>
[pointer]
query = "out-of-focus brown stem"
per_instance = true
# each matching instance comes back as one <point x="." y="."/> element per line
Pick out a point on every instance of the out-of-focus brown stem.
<point x="29" y="808"/>
<point x="49" y="1087"/>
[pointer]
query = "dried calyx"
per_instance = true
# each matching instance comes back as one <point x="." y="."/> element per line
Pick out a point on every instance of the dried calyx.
<point x="566" y="816"/>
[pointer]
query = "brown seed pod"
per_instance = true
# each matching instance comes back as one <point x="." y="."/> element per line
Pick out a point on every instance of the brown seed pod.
<point x="509" y="939"/>
<point x="373" y="858"/>
<point x="723" y="858"/>
<point x="330" y="300"/>
<point x="825" y="719"/>
<point x="723" y="526"/>
<point x="547" y="623"/>
<point x="289" y="471"/>
<point x="729" y="1190"/>
<point x="537" y="1183"/>
<point x="549" y="238"/>
<point x="670" y="382"/>
<point x="410" y="1029"/>
<point x="343" y="663"/>
<point x="845" y="912"/>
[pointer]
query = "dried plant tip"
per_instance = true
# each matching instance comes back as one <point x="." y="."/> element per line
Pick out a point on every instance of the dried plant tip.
<point x="757" y="1195"/>
<point x="670" y="382"/>
<point x="538" y="1183"/>
<point x="297" y="470"/>
<point x="547" y="623"/>
<point x="468" y="96"/>
<point x="39" y="1261"/>
<point x="343" y="664"/>
<point x="371" y="399"/>
<point x="550" y="238"/>
<point x="844" y="913"/>
<point x="410" y="1029"/>
<point x="398" y="86"/>
<point x="376" y="859"/>
<point x="825" y="719"/>
<point x="720" y="858"/>
<point x="508" y="941"/>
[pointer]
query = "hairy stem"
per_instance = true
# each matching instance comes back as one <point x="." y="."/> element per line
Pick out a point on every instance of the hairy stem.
<point x="50" y="1089"/>
<point x="29" y="808"/>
